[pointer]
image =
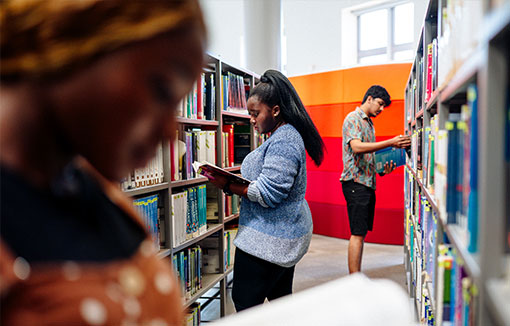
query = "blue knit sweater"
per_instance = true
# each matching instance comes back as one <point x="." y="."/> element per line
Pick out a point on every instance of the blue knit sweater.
<point x="275" y="223"/>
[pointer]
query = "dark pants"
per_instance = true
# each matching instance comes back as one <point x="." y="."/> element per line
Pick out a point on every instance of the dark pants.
<point x="360" y="206"/>
<point x="256" y="279"/>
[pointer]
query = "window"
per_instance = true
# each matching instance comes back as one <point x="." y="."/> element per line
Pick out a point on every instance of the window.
<point x="386" y="33"/>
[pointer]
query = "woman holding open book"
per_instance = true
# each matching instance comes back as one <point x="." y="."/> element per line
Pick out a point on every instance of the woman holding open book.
<point x="275" y="223"/>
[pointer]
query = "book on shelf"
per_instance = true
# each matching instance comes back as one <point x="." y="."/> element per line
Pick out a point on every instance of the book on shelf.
<point x="241" y="142"/>
<point x="207" y="169"/>
<point x="507" y="168"/>
<point x="385" y="155"/>
<point x="228" y="145"/>
<point x="148" y="209"/>
<point x="470" y="177"/>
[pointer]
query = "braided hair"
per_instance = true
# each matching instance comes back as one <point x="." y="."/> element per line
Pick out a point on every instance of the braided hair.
<point x="275" y="89"/>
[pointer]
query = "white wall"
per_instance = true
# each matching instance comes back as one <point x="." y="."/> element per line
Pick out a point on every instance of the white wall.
<point x="321" y="37"/>
<point x="312" y="32"/>
<point x="225" y="24"/>
<point x="315" y="38"/>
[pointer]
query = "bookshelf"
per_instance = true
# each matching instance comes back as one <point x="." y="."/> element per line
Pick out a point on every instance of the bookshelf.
<point x="217" y="104"/>
<point x="457" y="176"/>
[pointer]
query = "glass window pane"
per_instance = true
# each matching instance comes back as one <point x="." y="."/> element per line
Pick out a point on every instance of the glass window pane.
<point x="403" y="55"/>
<point x="373" y="59"/>
<point x="373" y="31"/>
<point x="404" y="23"/>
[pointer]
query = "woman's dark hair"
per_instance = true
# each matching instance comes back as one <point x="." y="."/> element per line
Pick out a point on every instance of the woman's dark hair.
<point x="275" y="89"/>
<point x="377" y="91"/>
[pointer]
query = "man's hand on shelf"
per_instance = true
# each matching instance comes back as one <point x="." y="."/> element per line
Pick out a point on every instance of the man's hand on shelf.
<point x="401" y="141"/>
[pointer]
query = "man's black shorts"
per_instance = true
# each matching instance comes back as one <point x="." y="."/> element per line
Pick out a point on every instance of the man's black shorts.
<point x="360" y="206"/>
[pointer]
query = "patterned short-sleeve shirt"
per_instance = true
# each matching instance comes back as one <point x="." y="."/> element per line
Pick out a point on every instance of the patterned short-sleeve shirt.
<point x="358" y="167"/>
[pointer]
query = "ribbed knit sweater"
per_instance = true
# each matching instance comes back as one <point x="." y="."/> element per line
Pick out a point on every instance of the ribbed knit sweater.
<point x="275" y="223"/>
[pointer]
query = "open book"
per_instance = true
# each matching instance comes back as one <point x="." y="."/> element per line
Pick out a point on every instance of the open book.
<point x="397" y="155"/>
<point x="208" y="169"/>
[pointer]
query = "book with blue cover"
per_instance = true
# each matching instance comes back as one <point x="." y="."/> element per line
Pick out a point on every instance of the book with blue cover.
<point x="397" y="155"/>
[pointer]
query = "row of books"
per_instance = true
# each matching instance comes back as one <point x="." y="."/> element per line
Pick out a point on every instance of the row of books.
<point x="228" y="238"/>
<point x="210" y="247"/>
<point x="236" y="143"/>
<point x="200" y="102"/>
<point x="193" y="317"/>
<point x="425" y="82"/>
<point x="457" y="293"/>
<point x="189" y="214"/>
<point x="232" y="205"/>
<point x="446" y="162"/>
<point x="234" y="93"/>
<point x="421" y="263"/>
<point x="151" y="174"/>
<point x="187" y="264"/>
<point x="456" y="296"/>
<point x="260" y="138"/>
<point x="460" y="21"/>
<point x="196" y="145"/>
<point x="147" y="208"/>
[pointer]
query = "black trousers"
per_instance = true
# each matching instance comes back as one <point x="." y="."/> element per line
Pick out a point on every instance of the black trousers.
<point x="256" y="279"/>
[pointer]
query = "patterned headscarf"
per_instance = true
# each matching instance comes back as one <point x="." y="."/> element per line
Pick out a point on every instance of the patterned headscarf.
<point x="41" y="38"/>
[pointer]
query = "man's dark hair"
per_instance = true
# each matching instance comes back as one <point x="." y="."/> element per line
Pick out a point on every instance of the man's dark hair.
<point x="377" y="91"/>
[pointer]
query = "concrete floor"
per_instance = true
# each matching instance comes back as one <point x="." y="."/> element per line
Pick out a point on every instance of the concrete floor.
<point x="326" y="260"/>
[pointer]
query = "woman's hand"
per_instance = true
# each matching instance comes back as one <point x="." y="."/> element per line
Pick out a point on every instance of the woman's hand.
<point x="216" y="179"/>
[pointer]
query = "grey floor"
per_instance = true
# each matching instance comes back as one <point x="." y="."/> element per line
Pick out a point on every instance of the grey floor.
<point x="326" y="260"/>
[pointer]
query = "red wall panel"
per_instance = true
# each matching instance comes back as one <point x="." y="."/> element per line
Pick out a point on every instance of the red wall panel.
<point x="329" y="97"/>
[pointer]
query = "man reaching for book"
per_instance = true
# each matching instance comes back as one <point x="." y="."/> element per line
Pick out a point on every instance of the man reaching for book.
<point x="358" y="176"/>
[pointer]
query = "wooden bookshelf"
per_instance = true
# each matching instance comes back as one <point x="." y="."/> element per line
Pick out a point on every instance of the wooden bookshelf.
<point x="482" y="68"/>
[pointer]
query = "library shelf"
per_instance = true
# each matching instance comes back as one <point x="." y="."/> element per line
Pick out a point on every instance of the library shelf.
<point x="230" y="218"/>
<point x="211" y="228"/>
<point x="466" y="73"/>
<point x="425" y="190"/>
<point x="207" y="99"/>
<point x="419" y="114"/>
<point x="458" y="240"/>
<point x="498" y="297"/>
<point x="208" y="281"/>
<point x="235" y="114"/>
<point x="189" y="182"/>
<point x="417" y="235"/>
<point x="463" y="76"/>
<point x="198" y="122"/>
<point x="433" y="100"/>
<point x="495" y="23"/>
<point x="147" y="189"/>
<point x="162" y="253"/>
<point x="429" y="286"/>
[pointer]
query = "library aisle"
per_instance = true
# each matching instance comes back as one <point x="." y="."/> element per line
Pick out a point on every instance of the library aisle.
<point x="326" y="260"/>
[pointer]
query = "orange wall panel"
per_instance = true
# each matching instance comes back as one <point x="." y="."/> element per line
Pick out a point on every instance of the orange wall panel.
<point x="393" y="77"/>
<point x="329" y="118"/>
<point x="349" y="85"/>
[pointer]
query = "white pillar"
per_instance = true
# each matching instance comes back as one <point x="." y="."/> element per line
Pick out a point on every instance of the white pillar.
<point x="262" y="19"/>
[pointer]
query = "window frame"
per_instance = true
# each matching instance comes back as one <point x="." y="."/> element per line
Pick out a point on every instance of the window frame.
<point x="390" y="49"/>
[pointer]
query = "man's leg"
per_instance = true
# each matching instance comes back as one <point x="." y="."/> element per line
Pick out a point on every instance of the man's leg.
<point x="355" y="253"/>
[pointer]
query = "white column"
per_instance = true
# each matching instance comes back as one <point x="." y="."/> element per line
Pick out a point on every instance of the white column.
<point x="262" y="26"/>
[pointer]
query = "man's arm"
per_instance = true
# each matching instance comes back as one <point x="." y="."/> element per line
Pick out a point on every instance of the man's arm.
<point x="360" y="147"/>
